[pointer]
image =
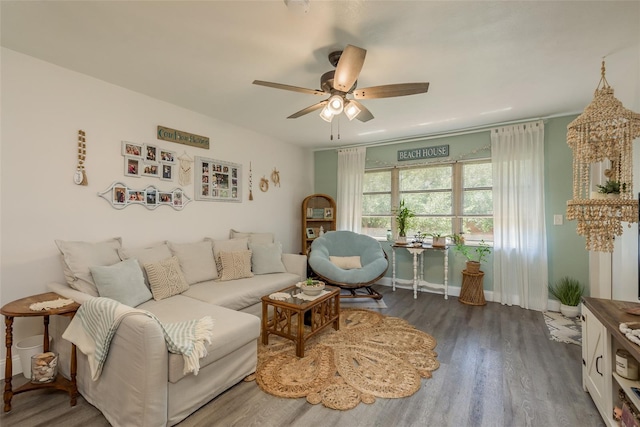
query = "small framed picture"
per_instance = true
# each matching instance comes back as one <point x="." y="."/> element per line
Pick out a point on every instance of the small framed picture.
<point x="167" y="156"/>
<point x="131" y="149"/>
<point x="309" y="212"/>
<point x="132" y="166"/>
<point x="150" y="170"/>
<point x="328" y="213"/>
<point x="151" y="197"/>
<point x="310" y="233"/>
<point x="119" y="195"/>
<point x="167" y="172"/>
<point x="136" y="196"/>
<point x="165" y="198"/>
<point x="150" y="153"/>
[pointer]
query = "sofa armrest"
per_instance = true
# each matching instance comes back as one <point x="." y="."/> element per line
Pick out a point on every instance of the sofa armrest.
<point x="67" y="292"/>
<point x="296" y="264"/>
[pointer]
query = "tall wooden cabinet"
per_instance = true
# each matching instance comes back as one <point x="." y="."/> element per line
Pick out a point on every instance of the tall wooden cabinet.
<point x="318" y="210"/>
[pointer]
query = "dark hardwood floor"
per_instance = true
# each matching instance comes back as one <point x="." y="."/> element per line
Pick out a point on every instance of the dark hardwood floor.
<point x="498" y="367"/>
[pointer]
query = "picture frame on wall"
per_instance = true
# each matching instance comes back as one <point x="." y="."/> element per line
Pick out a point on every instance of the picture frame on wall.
<point x="328" y="213"/>
<point x="167" y="156"/>
<point x="150" y="153"/>
<point x="311" y="234"/>
<point x="150" y="169"/>
<point x="217" y="180"/>
<point x="166" y="172"/>
<point x="131" y="149"/>
<point x="132" y="166"/>
<point x="119" y="195"/>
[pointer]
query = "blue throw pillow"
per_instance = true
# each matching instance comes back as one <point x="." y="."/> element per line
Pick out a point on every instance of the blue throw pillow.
<point x="122" y="282"/>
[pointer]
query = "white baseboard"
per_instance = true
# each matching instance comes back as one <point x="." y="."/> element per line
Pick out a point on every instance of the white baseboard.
<point x="454" y="291"/>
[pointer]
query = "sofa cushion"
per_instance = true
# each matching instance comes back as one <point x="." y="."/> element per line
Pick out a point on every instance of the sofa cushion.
<point x="242" y="293"/>
<point x="235" y="265"/>
<point x="230" y="245"/>
<point x="261" y="238"/>
<point x="196" y="260"/>
<point x="231" y="329"/>
<point x="166" y="278"/>
<point x="122" y="282"/>
<point x="266" y="258"/>
<point x="146" y="256"/>
<point x="79" y="256"/>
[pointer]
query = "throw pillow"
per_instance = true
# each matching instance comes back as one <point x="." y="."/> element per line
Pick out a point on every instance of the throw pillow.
<point x="122" y="282"/>
<point x="166" y="278"/>
<point x="235" y="265"/>
<point x="346" y="262"/>
<point x="267" y="258"/>
<point x="259" y="238"/>
<point x="231" y="245"/>
<point x="77" y="257"/>
<point x="196" y="260"/>
<point x="146" y="256"/>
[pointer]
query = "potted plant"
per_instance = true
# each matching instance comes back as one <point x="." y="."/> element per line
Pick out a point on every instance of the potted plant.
<point x="439" y="240"/>
<point x="403" y="215"/>
<point x="611" y="189"/>
<point x="568" y="291"/>
<point x="474" y="254"/>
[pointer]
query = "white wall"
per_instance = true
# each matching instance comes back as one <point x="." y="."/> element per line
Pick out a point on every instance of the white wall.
<point x="42" y="108"/>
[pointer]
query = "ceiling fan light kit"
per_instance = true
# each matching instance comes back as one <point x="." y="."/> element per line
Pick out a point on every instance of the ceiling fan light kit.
<point x="336" y="85"/>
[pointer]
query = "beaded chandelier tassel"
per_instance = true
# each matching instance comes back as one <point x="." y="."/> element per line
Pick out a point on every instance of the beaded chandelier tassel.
<point x="604" y="132"/>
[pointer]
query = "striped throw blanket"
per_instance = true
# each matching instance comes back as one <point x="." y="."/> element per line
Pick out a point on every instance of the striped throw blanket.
<point x="96" y="322"/>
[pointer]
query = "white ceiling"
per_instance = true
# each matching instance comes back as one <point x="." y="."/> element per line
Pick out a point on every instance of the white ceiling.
<point x="487" y="62"/>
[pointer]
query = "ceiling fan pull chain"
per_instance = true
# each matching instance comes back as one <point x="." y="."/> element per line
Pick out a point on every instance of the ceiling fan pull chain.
<point x="338" y="127"/>
<point x="331" y="131"/>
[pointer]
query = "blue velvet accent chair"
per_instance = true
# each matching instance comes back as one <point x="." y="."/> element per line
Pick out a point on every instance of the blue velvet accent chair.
<point x="373" y="259"/>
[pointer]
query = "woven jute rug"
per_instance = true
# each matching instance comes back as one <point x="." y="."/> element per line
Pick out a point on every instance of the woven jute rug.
<point x="563" y="329"/>
<point x="371" y="356"/>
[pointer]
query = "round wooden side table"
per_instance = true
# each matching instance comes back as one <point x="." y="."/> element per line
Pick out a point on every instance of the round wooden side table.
<point x="472" y="292"/>
<point x="20" y="308"/>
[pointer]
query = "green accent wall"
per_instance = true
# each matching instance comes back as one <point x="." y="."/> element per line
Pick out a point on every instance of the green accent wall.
<point x="566" y="251"/>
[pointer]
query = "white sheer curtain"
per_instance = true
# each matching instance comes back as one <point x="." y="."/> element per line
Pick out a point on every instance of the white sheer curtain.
<point x="351" y="162"/>
<point x="520" y="243"/>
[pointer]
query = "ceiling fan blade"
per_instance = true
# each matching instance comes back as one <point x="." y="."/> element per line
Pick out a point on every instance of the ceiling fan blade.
<point x="308" y="110"/>
<point x="348" y="68"/>
<point x="291" y="88"/>
<point x="364" y="115"/>
<point x="388" y="91"/>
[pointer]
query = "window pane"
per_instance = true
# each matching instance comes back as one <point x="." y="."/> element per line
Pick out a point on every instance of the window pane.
<point x="376" y="226"/>
<point x="429" y="178"/>
<point x="436" y="203"/>
<point x="377" y="181"/>
<point x="476" y="229"/>
<point x="376" y="204"/>
<point x="477" y="175"/>
<point x="430" y="225"/>
<point x="477" y="202"/>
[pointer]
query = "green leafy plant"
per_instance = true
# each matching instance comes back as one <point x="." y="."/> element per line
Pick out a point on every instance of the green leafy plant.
<point x="612" y="187"/>
<point x="403" y="215"/>
<point x="567" y="290"/>
<point x="471" y="253"/>
<point x="311" y="282"/>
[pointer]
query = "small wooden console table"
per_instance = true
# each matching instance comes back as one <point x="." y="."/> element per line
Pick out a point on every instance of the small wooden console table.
<point x="20" y="308"/>
<point x="418" y="280"/>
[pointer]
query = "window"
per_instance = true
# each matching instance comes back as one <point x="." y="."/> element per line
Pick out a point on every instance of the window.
<point x="446" y="198"/>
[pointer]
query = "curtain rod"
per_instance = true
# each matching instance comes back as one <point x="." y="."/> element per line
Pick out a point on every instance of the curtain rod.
<point x="466" y="131"/>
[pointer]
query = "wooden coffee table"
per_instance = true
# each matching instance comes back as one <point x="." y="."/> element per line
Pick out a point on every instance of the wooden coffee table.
<point x="289" y="316"/>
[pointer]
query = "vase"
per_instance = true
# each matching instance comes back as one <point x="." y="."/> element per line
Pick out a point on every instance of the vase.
<point x="473" y="267"/>
<point x="439" y="242"/>
<point x="401" y="240"/>
<point x="569" y="310"/>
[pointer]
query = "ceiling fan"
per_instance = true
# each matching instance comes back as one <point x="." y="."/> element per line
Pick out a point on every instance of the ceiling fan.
<point x="342" y="81"/>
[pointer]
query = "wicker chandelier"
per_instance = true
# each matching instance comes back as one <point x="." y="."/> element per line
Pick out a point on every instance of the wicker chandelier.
<point x="603" y="132"/>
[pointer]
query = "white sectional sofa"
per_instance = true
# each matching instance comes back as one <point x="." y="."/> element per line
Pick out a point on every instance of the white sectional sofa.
<point x="142" y="384"/>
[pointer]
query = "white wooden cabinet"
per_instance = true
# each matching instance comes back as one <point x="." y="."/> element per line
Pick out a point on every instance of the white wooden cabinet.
<point x="601" y="338"/>
<point x="596" y="363"/>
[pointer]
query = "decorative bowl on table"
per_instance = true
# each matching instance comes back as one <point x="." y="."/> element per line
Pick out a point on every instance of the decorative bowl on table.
<point x="313" y="289"/>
